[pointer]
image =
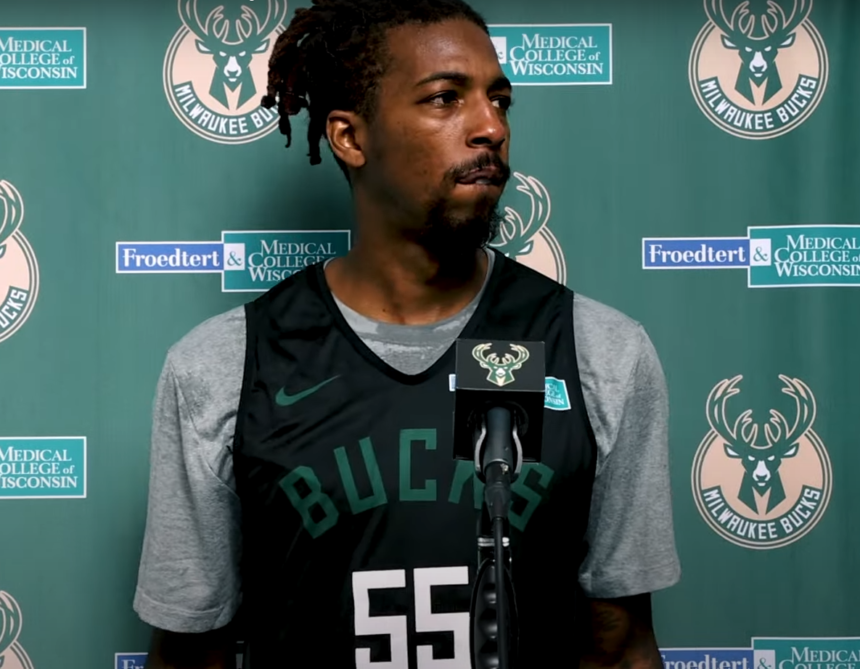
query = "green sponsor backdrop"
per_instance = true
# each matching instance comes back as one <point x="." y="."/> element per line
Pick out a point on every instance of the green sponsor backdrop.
<point x="617" y="162"/>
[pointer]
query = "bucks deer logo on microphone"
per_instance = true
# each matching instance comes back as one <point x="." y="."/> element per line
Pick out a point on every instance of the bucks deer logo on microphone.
<point x="501" y="370"/>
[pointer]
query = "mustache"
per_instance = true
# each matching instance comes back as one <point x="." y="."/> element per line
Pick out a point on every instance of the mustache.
<point x="481" y="162"/>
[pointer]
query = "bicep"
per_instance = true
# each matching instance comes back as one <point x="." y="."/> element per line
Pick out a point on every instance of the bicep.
<point x="631" y="531"/>
<point x="188" y="578"/>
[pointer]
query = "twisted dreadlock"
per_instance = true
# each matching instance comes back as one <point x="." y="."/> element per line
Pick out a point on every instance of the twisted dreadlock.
<point x="333" y="55"/>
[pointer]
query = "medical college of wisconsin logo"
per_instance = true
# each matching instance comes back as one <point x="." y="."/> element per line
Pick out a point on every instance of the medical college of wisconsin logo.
<point x="12" y="655"/>
<point x="19" y="272"/>
<point x="529" y="240"/>
<point x="762" y="495"/>
<point x="216" y="68"/>
<point x="758" y="68"/>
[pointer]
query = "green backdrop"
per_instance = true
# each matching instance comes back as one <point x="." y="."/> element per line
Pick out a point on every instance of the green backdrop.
<point x="628" y="162"/>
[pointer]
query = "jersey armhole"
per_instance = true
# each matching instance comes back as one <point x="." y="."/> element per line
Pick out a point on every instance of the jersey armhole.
<point x="247" y="372"/>
<point x="579" y="395"/>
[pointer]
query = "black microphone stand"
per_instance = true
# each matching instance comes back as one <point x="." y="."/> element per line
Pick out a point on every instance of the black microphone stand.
<point x="494" y="632"/>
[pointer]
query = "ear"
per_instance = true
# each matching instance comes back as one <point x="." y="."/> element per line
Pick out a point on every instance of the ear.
<point x="347" y="132"/>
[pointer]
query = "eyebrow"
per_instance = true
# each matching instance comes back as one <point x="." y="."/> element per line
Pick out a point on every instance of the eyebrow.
<point x="462" y="79"/>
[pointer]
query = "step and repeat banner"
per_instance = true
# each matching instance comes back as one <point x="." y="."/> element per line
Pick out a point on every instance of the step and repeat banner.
<point x="692" y="163"/>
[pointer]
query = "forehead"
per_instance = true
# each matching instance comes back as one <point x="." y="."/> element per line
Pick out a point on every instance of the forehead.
<point x="419" y="50"/>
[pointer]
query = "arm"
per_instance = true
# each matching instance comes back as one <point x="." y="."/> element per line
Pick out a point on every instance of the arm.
<point x="209" y="650"/>
<point x="188" y="580"/>
<point x="630" y="534"/>
<point x="620" y="634"/>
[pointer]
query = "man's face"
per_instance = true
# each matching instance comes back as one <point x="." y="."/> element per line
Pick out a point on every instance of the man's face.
<point x="437" y="152"/>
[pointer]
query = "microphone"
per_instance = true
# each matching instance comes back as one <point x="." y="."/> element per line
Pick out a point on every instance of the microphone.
<point x="498" y="424"/>
<point x="498" y="375"/>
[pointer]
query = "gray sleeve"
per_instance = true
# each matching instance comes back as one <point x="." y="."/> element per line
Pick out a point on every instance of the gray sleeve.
<point x="631" y="530"/>
<point x="188" y="577"/>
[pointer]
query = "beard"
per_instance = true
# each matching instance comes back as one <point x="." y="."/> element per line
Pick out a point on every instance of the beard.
<point x="453" y="234"/>
<point x="450" y="234"/>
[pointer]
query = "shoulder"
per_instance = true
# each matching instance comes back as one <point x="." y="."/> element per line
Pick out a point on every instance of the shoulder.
<point x="617" y="363"/>
<point x="208" y="362"/>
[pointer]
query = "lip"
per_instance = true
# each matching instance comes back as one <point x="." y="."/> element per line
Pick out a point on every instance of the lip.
<point x="491" y="174"/>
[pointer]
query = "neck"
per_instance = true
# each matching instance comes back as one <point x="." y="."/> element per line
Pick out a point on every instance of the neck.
<point x="391" y="278"/>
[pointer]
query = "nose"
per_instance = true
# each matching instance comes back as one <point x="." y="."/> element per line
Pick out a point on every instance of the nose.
<point x="761" y="473"/>
<point x="489" y="127"/>
<point x="758" y="64"/>
<point x="232" y="69"/>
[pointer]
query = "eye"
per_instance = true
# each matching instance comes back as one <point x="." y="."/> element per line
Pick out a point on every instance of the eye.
<point x="750" y="458"/>
<point x="771" y="458"/>
<point x="222" y="54"/>
<point x="503" y="102"/>
<point x="243" y="54"/>
<point x="444" y="98"/>
<point x="747" y="49"/>
<point x="768" y="48"/>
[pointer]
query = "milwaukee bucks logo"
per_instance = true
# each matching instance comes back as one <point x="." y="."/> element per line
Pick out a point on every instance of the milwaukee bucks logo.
<point x="19" y="272"/>
<point x="758" y="69"/>
<point x="501" y="370"/>
<point x="12" y="655"/>
<point x="528" y="239"/>
<point x="762" y="495"/>
<point x="216" y="68"/>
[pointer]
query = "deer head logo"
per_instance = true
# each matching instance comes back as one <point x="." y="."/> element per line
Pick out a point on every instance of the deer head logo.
<point x="232" y="45"/>
<point x="501" y="371"/>
<point x="516" y="235"/>
<point x="758" y="39"/>
<point x="11" y="213"/>
<point x="761" y="462"/>
<point x="12" y="655"/>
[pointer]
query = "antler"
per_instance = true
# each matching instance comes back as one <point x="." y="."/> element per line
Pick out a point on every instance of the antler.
<point x="277" y="11"/>
<point x="189" y="16"/>
<point x="513" y="229"/>
<point x="479" y="353"/>
<point x="777" y="431"/>
<point x="10" y="621"/>
<point x="744" y="432"/>
<point x="782" y="25"/>
<point x="734" y="25"/>
<point x="11" y="214"/>
<point x="522" y="355"/>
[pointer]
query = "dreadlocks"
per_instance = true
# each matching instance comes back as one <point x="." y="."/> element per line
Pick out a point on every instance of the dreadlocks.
<point x="332" y="56"/>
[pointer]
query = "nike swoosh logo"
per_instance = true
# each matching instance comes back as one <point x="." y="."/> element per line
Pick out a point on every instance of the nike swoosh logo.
<point x="285" y="400"/>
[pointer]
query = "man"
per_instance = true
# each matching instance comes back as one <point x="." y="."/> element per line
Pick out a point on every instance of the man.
<point x="301" y="461"/>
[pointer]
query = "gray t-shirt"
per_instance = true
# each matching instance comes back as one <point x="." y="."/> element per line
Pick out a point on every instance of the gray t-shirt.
<point x="189" y="578"/>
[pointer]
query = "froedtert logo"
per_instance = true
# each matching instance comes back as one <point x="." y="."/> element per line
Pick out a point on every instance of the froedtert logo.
<point x="501" y="370"/>
<point x="248" y="262"/>
<point x="789" y="256"/>
<point x="12" y="654"/>
<point x="43" y="58"/>
<point x="758" y="74"/>
<point x="216" y="68"/>
<point x="554" y="54"/>
<point x="284" y="400"/>
<point x="762" y="495"/>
